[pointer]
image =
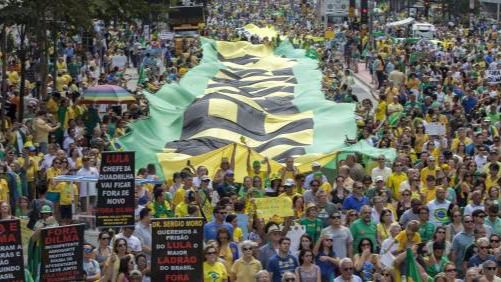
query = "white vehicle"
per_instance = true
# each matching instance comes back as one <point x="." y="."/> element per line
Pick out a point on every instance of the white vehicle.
<point x="423" y="30"/>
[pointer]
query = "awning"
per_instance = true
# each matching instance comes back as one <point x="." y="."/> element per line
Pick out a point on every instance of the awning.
<point x="402" y="22"/>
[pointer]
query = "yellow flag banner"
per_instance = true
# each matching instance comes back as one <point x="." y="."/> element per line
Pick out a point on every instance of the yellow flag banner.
<point x="268" y="208"/>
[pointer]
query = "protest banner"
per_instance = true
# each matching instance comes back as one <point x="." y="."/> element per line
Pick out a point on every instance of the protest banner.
<point x="493" y="76"/>
<point x="177" y="249"/>
<point x="115" y="190"/>
<point x="62" y="253"/>
<point x="267" y="208"/>
<point x="435" y="128"/>
<point x="11" y="251"/>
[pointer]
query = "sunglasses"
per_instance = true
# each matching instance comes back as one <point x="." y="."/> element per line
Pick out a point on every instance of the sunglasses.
<point x="105" y="238"/>
<point x="246" y="249"/>
<point x="387" y="274"/>
<point x="348" y="269"/>
<point x="468" y="221"/>
<point x="87" y="250"/>
<point x="211" y="253"/>
<point x="122" y="245"/>
<point x="290" y="280"/>
<point x="494" y="241"/>
<point x="491" y="268"/>
<point x="336" y="217"/>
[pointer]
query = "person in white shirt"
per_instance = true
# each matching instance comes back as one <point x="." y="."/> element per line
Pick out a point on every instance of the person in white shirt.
<point x="381" y="169"/>
<point x="347" y="268"/>
<point x="439" y="207"/>
<point x="87" y="189"/>
<point x="476" y="203"/>
<point x="143" y="231"/>
<point x="133" y="243"/>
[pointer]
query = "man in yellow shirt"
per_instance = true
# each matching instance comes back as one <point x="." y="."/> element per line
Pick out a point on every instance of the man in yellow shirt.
<point x="68" y="194"/>
<point x="395" y="179"/>
<point x="429" y="189"/>
<point x="180" y="193"/>
<point x="289" y="189"/>
<point x="460" y="139"/>
<point x="430" y="169"/>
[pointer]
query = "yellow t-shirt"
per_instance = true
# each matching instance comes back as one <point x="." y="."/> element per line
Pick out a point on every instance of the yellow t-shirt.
<point x="68" y="192"/>
<point x="51" y="173"/>
<point x="261" y="174"/>
<point x="381" y="111"/>
<point x="179" y="196"/>
<point x="429" y="194"/>
<point x="394" y="182"/>
<point x="215" y="273"/>
<point x="4" y="191"/>
<point x="181" y="210"/>
<point x="238" y="234"/>
<point x="32" y="170"/>
<point x="402" y="239"/>
<point x="428" y="171"/>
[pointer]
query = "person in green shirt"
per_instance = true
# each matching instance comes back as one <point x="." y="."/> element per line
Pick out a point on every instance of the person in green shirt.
<point x="436" y="262"/>
<point x="160" y="208"/>
<point x="364" y="227"/>
<point x="426" y="228"/>
<point x="312" y="224"/>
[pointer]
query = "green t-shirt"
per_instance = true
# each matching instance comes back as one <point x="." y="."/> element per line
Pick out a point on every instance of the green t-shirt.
<point x="360" y="230"/>
<point x="313" y="227"/>
<point x="426" y="231"/>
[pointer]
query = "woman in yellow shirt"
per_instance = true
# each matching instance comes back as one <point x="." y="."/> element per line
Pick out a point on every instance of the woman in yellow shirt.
<point x="214" y="271"/>
<point x="383" y="227"/>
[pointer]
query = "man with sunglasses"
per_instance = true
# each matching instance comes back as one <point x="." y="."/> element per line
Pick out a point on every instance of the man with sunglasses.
<point x="346" y="266"/>
<point x="341" y="235"/>
<point x="460" y="242"/>
<point x="90" y="266"/>
<point x="210" y="229"/>
<point x="489" y="268"/>
<point x="483" y="246"/>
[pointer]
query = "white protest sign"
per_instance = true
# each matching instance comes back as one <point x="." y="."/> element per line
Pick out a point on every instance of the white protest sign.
<point x="493" y="76"/>
<point x="435" y="128"/>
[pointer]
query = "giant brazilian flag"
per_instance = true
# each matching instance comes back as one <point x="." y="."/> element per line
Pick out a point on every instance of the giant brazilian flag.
<point x="267" y="99"/>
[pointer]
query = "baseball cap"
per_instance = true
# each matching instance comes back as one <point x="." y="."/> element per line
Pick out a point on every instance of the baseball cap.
<point x="46" y="209"/>
<point x="256" y="163"/>
<point x="204" y="178"/>
<point x="315" y="164"/>
<point x="274" y="228"/>
<point x="310" y="205"/>
<point x="229" y="173"/>
<point x="289" y="182"/>
<point x="379" y="178"/>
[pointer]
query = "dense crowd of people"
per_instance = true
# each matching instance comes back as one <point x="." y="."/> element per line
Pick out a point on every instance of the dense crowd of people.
<point x="440" y="197"/>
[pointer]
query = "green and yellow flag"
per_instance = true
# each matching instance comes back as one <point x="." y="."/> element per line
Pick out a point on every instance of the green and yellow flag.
<point x="271" y="98"/>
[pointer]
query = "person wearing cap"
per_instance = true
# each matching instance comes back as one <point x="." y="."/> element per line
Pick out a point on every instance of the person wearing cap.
<point x="381" y="169"/>
<point x="228" y="186"/>
<point x="313" y="225"/>
<point x="46" y="220"/>
<point x="289" y="187"/>
<point x="255" y="170"/>
<point x="90" y="265"/>
<point x="315" y="168"/>
<point x="379" y="188"/>
<point x="273" y="235"/>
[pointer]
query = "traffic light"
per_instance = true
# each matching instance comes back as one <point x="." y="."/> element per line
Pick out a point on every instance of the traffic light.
<point x="364" y="11"/>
